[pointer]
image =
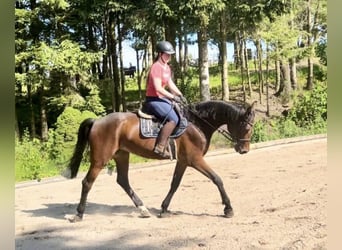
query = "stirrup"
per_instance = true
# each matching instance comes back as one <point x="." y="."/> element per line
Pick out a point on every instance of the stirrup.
<point x="162" y="151"/>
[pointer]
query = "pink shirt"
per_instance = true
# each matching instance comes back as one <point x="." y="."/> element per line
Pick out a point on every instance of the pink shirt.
<point x="161" y="71"/>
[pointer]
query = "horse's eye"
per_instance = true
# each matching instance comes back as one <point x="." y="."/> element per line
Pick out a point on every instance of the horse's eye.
<point x="246" y="125"/>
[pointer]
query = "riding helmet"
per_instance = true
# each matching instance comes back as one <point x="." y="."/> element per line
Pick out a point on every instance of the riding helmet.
<point x="165" y="47"/>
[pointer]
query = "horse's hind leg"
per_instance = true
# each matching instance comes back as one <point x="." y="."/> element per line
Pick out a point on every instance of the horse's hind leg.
<point x="87" y="183"/>
<point x="122" y="164"/>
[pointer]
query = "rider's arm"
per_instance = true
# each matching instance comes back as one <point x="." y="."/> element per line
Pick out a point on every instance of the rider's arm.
<point x="173" y="88"/>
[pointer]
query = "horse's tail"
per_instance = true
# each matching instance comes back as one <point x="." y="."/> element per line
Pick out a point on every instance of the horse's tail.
<point x="82" y="141"/>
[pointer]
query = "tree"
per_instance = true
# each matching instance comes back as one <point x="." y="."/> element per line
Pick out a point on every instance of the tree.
<point x="31" y="27"/>
<point x="198" y="14"/>
<point x="316" y="24"/>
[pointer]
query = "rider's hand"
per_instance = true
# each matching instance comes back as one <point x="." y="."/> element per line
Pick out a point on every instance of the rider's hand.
<point x="183" y="99"/>
<point x="177" y="99"/>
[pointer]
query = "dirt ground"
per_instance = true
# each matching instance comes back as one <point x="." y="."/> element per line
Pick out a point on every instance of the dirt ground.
<point x="278" y="192"/>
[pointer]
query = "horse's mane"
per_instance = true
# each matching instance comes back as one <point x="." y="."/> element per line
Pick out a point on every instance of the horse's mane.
<point x="218" y="109"/>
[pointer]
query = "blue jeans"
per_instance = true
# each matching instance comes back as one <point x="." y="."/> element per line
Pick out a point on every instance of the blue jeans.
<point x="161" y="108"/>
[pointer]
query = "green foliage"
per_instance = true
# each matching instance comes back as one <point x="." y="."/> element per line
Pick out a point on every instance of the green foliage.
<point x="321" y="52"/>
<point x="93" y="102"/>
<point x="189" y="88"/>
<point x="310" y="107"/>
<point x="284" y="128"/>
<point x="320" y="71"/>
<point x="35" y="159"/>
<point x="287" y="128"/>
<point x="29" y="158"/>
<point x="307" y="116"/>
<point x="260" y="132"/>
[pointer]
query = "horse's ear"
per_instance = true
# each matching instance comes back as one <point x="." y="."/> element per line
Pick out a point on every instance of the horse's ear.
<point x="252" y="107"/>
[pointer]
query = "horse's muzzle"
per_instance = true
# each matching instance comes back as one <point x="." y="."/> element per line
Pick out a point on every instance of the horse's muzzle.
<point x="241" y="149"/>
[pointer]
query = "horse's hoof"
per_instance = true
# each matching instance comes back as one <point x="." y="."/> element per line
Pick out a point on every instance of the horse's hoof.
<point x="164" y="214"/>
<point x="74" y="218"/>
<point x="228" y="213"/>
<point x="144" y="213"/>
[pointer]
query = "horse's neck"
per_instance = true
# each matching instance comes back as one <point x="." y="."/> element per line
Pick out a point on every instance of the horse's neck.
<point x="207" y="125"/>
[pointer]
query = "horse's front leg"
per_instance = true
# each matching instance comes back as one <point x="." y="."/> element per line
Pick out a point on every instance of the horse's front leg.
<point x="176" y="179"/>
<point x="204" y="168"/>
<point x="122" y="164"/>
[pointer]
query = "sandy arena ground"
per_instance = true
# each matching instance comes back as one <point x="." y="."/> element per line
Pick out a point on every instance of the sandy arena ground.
<point x="278" y="192"/>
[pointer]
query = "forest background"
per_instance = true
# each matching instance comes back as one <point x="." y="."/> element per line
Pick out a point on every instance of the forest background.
<point x="69" y="66"/>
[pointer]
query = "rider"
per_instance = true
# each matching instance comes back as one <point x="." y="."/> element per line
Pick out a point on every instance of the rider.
<point x="159" y="99"/>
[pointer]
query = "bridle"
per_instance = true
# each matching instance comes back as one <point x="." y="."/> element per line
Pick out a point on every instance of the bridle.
<point x="229" y="136"/>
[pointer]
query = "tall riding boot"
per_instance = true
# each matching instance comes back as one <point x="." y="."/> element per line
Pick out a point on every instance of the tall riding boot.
<point x="161" y="142"/>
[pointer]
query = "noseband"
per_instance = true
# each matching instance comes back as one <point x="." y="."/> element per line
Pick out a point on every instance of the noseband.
<point x="245" y="123"/>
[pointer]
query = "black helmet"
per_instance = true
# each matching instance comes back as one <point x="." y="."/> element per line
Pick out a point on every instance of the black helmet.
<point x="165" y="47"/>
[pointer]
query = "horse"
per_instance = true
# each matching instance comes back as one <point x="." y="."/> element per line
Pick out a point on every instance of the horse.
<point x="117" y="134"/>
<point x="130" y="71"/>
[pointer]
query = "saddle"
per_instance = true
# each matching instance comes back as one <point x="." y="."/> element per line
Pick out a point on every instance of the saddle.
<point x="150" y="127"/>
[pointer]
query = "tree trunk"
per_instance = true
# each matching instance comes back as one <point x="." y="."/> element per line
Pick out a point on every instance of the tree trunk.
<point x="114" y="56"/>
<point x="92" y="44"/>
<point x="278" y="75"/>
<point x="122" y="74"/>
<point x="293" y="73"/>
<point x="32" y="118"/>
<point x="237" y="49"/>
<point x="203" y="64"/>
<point x="17" y="130"/>
<point x="224" y="64"/>
<point x="259" y="80"/>
<point x="186" y="53"/>
<point x="224" y="72"/>
<point x="107" y="62"/>
<point x="309" y="81"/>
<point x="181" y="56"/>
<point x="104" y="65"/>
<point x="285" y="83"/>
<point x="43" y="119"/>
<point x="242" y="59"/>
<point x="150" y="58"/>
<point x="267" y="85"/>
<point x="139" y="79"/>
<point x="245" y="54"/>
<point x="292" y="61"/>
<point x="259" y="62"/>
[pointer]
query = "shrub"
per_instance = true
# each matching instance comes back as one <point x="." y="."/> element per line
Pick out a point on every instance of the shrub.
<point x="310" y="107"/>
<point x="287" y="128"/>
<point x="260" y="133"/>
<point x="29" y="158"/>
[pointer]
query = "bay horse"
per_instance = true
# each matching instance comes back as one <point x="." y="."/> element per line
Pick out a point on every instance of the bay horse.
<point x="116" y="135"/>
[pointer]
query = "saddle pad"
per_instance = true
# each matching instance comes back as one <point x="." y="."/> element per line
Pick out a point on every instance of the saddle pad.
<point x="150" y="128"/>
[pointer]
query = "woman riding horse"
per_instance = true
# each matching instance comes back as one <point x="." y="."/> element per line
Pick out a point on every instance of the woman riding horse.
<point x="159" y="99"/>
<point x="117" y="134"/>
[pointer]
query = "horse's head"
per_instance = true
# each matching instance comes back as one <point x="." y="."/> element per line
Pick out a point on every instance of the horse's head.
<point x="242" y="131"/>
